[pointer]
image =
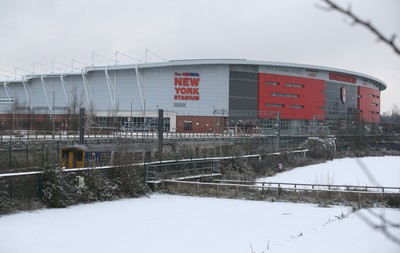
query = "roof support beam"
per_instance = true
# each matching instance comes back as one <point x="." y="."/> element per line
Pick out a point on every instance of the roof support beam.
<point x="44" y="85"/>
<point x="26" y="88"/>
<point x="88" y="88"/>
<point x="141" y="85"/>
<point x="112" y="87"/>
<point x="63" y="84"/>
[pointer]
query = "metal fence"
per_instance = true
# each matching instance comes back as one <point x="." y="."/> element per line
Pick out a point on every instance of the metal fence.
<point x="313" y="193"/>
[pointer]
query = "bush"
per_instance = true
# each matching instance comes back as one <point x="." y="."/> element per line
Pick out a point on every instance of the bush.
<point x="4" y="198"/>
<point x="52" y="188"/>
<point x="97" y="187"/>
<point x="238" y="167"/>
<point x="129" y="182"/>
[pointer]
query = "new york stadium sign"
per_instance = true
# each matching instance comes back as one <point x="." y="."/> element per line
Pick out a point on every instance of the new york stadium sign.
<point x="186" y="86"/>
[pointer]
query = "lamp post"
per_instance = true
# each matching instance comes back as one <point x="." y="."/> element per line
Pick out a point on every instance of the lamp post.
<point x="278" y="130"/>
<point x="131" y="109"/>
<point x="53" y="92"/>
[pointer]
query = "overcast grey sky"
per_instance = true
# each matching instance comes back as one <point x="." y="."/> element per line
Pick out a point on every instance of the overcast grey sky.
<point x="294" y="31"/>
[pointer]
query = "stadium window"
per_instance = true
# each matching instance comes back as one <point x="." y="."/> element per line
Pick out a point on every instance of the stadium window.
<point x="274" y="94"/>
<point x="7" y="100"/>
<point x="187" y="125"/>
<point x="272" y="83"/>
<point x="274" y="105"/>
<point x="295" y="85"/>
<point x="179" y="104"/>
<point x="297" y="106"/>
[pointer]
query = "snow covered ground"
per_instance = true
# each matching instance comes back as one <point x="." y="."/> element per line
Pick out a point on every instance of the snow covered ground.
<point x="384" y="170"/>
<point x="179" y="224"/>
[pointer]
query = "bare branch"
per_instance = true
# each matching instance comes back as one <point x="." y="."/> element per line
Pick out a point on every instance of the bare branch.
<point x="366" y="171"/>
<point x="356" y="20"/>
<point x="380" y="227"/>
<point x="384" y="220"/>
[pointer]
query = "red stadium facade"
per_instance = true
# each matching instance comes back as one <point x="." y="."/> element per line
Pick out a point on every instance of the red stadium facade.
<point x="294" y="97"/>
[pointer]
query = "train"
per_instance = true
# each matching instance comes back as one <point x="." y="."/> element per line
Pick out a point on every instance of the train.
<point x="80" y="156"/>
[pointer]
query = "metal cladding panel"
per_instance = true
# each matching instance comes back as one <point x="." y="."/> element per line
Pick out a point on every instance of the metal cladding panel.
<point x="127" y="90"/>
<point x="294" y="97"/>
<point x="187" y="90"/>
<point x="75" y="90"/>
<point x="39" y="89"/>
<point x="99" y="92"/>
<point x="14" y="92"/>
<point x="157" y="89"/>
<point x="38" y="98"/>
<point x="369" y="104"/>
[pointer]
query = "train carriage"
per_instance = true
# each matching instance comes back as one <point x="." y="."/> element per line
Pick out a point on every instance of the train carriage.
<point x="80" y="156"/>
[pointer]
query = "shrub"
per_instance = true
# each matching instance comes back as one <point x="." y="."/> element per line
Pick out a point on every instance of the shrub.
<point x="97" y="187"/>
<point x="52" y="185"/>
<point x="129" y="182"/>
<point x="238" y="167"/>
<point x="52" y="188"/>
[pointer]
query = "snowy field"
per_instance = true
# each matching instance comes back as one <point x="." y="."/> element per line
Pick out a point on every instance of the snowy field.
<point x="385" y="171"/>
<point x="166" y="223"/>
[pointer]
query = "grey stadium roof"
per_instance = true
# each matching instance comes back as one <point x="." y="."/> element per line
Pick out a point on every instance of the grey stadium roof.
<point x="140" y="65"/>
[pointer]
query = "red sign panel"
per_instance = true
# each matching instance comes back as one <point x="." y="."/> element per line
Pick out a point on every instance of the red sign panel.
<point x="187" y="86"/>
<point x="342" y="78"/>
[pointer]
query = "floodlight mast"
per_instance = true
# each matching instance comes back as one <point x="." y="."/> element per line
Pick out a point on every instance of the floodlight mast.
<point x="130" y="57"/>
<point x="72" y="64"/>
<point x="26" y="71"/>
<point x="41" y="64"/>
<point x="151" y="52"/>
<point x="7" y="72"/>
<point x="59" y="63"/>
<point x="94" y="53"/>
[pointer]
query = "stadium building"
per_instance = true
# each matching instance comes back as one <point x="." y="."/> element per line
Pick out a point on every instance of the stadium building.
<point x="196" y="95"/>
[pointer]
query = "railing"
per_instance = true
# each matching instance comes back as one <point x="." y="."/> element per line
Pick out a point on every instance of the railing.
<point x="304" y="186"/>
<point x="292" y="187"/>
<point x="66" y="135"/>
<point x="158" y="171"/>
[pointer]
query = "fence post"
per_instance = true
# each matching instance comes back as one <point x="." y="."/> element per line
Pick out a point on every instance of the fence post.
<point x="58" y="147"/>
<point x="27" y="154"/>
<point x="9" y="154"/>
<point x="10" y="188"/>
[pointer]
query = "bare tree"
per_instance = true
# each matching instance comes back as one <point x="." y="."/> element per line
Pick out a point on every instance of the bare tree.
<point x="76" y="101"/>
<point x="383" y="225"/>
<point x="91" y="115"/>
<point x="332" y="6"/>
<point x="15" y="109"/>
